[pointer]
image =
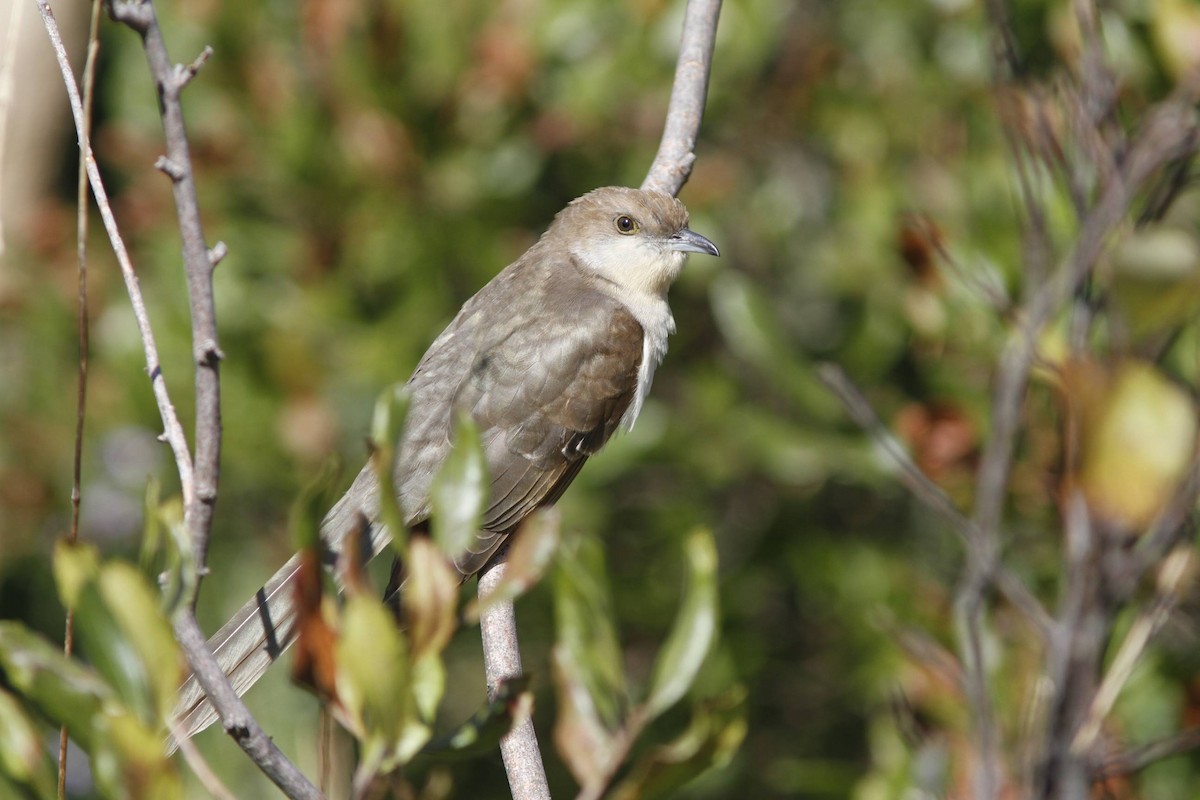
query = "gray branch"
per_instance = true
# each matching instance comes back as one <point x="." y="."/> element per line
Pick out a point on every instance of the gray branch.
<point x="669" y="172"/>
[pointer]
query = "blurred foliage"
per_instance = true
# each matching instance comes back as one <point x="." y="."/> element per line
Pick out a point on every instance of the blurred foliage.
<point x="371" y="165"/>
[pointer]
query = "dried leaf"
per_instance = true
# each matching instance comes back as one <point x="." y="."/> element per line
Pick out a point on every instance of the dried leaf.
<point x="313" y="664"/>
<point x="430" y="598"/>
<point x="531" y="554"/>
<point x="579" y="736"/>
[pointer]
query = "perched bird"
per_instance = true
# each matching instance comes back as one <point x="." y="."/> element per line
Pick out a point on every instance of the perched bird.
<point x="550" y="358"/>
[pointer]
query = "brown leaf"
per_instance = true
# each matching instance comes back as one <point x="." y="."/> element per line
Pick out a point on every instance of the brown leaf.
<point x="430" y="601"/>
<point x="313" y="665"/>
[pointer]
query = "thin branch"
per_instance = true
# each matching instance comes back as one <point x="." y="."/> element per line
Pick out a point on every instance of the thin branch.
<point x="501" y="660"/>
<point x="173" y="431"/>
<point x="204" y="773"/>
<point x="676" y="151"/>
<point x="1132" y="761"/>
<point x="239" y="723"/>
<point x="668" y="173"/>
<point x="1147" y="625"/>
<point x="928" y="492"/>
<point x="171" y="79"/>
<point x="81" y="230"/>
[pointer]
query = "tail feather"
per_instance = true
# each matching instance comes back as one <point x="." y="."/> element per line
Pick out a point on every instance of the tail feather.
<point x="263" y="629"/>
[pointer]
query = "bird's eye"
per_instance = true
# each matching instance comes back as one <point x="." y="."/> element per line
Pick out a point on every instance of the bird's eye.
<point x="626" y="224"/>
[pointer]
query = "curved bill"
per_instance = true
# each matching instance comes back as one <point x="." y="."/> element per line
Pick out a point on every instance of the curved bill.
<point x="688" y="241"/>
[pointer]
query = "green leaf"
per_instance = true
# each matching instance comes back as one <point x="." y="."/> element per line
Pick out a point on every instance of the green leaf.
<point x="512" y="704"/>
<point x="459" y="491"/>
<point x="62" y="690"/>
<point x="531" y="554"/>
<point x="22" y="756"/>
<point x="122" y="630"/>
<point x="373" y="676"/>
<point x="695" y="627"/>
<point x="134" y="605"/>
<point x="584" y="621"/>
<point x="179" y="586"/>
<point x="309" y="508"/>
<point x="387" y="423"/>
<point x="717" y="730"/>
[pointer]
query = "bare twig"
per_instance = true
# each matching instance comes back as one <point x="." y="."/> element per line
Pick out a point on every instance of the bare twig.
<point x="238" y="721"/>
<point x="200" y="767"/>
<point x="928" y="492"/>
<point x="171" y="79"/>
<point x="8" y="69"/>
<point x="676" y="151"/>
<point x="501" y="660"/>
<point x="81" y="229"/>
<point x="1148" y="623"/>
<point x="1136" y="759"/>
<point x="173" y="431"/>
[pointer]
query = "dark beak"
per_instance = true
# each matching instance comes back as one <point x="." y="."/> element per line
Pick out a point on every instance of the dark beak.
<point x="688" y="241"/>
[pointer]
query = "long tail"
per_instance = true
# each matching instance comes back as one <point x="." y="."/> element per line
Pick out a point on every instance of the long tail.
<point x="265" y="626"/>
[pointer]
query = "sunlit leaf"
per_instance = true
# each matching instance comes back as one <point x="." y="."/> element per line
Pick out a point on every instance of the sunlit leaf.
<point x="430" y="606"/>
<point x="582" y="740"/>
<point x="387" y="423"/>
<point x="122" y="630"/>
<point x="459" y="491"/>
<point x="61" y="689"/>
<point x="583" y="619"/>
<point x="23" y="758"/>
<point x="373" y="671"/>
<point x="430" y="601"/>
<point x="135" y="606"/>
<point x="695" y="627"/>
<point x="530" y="555"/>
<point x="1137" y="436"/>
<point x="717" y="730"/>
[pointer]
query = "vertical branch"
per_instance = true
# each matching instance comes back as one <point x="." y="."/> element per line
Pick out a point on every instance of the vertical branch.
<point x="81" y="230"/>
<point x="199" y="263"/>
<point x="502" y="659"/>
<point x="669" y="171"/>
<point x="239" y="723"/>
<point x="676" y="151"/>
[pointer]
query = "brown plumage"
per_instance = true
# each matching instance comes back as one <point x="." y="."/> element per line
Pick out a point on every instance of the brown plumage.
<point x="550" y="358"/>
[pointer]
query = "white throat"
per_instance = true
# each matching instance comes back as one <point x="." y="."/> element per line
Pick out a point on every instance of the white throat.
<point x="638" y="275"/>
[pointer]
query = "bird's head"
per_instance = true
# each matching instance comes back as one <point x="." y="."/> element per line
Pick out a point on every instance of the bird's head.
<point x="633" y="238"/>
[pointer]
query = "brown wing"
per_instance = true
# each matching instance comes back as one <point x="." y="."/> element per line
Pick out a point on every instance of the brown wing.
<point x="547" y="367"/>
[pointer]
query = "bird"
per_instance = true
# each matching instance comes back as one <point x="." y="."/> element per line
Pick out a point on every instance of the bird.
<point x="550" y="358"/>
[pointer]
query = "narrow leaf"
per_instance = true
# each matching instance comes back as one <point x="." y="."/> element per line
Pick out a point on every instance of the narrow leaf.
<point x="23" y="758"/>
<point x="430" y="595"/>
<point x="387" y="423"/>
<point x="695" y="627"/>
<point x="62" y="690"/>
<point x="459" y="491"/>
<point x="717" y="730"/>
<point x="579" y="736"/>
<point x="512" y="705"/>
<point x="530" y="556"/>
<point x="584" y="621"/>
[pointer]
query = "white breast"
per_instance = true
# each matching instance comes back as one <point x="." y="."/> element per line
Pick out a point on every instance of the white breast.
<point x="657" y="324"/>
